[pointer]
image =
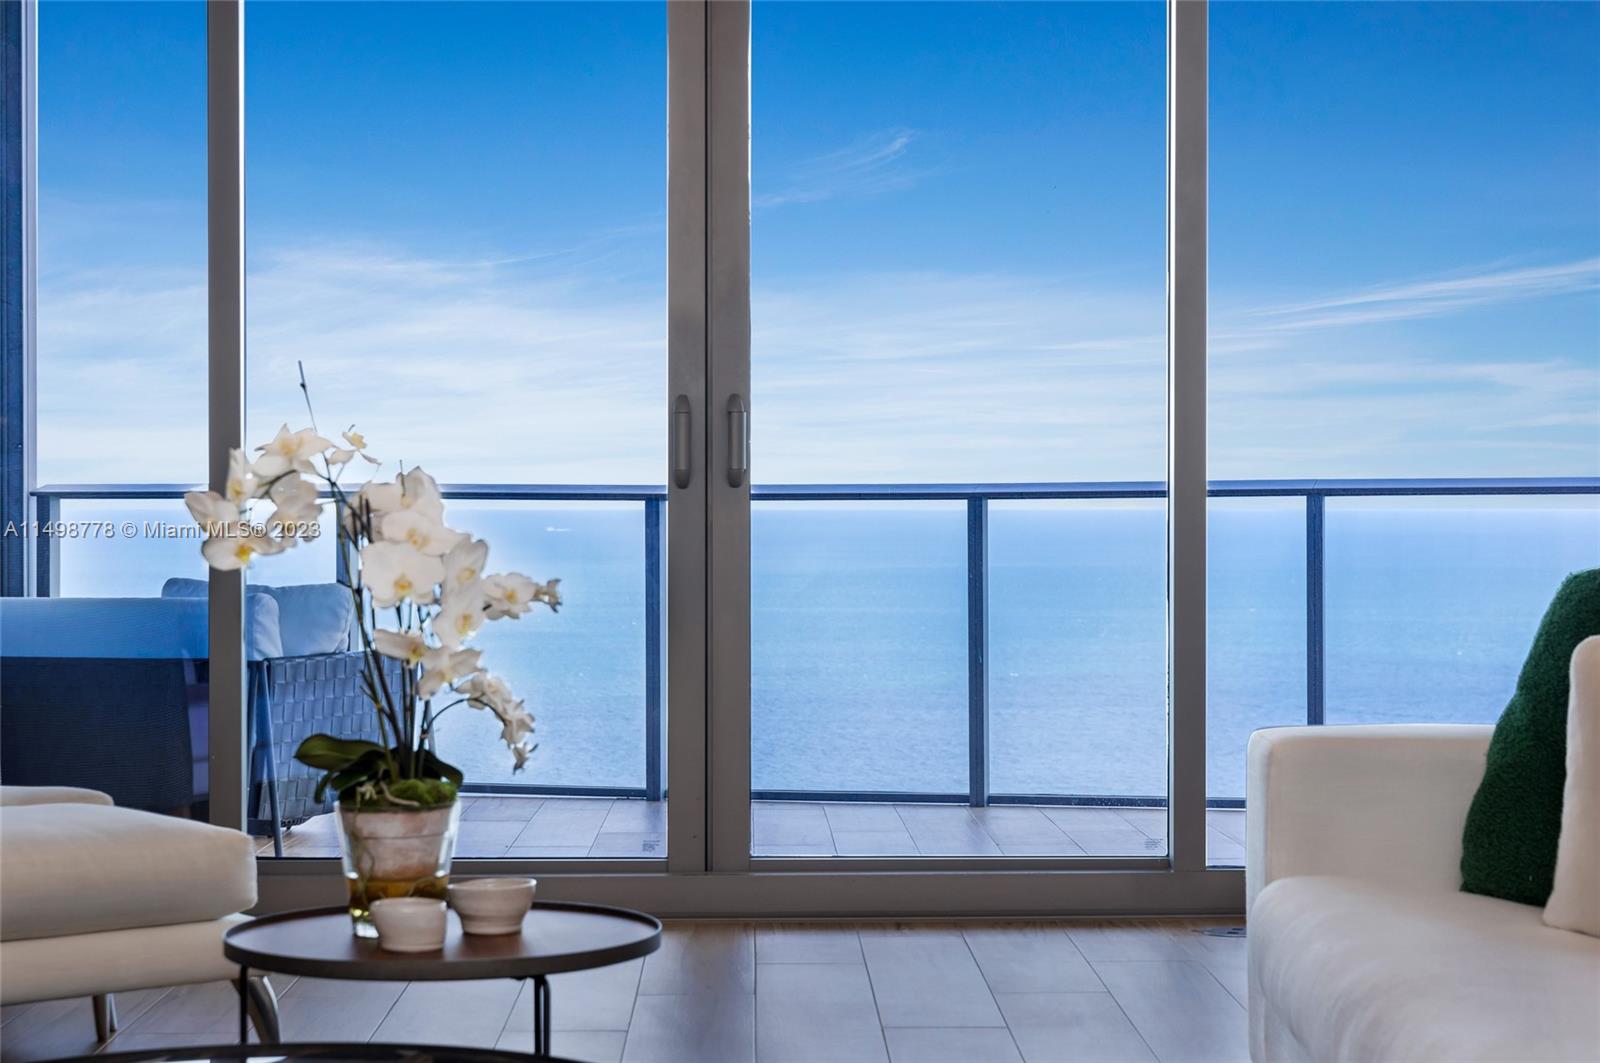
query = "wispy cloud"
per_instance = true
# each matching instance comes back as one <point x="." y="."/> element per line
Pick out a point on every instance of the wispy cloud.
<point x="878" y="162"/>
<point x="487" y="370"/>
<point x="521" y="367"/>
<point x="1332" y="386"/>
<point x="1411" y="300"/>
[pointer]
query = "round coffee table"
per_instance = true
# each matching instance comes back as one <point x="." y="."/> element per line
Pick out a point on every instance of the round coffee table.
<point x="556" y="936"/>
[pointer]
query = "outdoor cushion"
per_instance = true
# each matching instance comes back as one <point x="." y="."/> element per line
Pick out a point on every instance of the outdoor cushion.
<point x="1575" y="900"/>
<point x="127" y="628"/>
<point x="77" y="869"/>
<point x="1508" y="848"/>
<point x="1360" y="970"/>
<point x="313" y="618"/>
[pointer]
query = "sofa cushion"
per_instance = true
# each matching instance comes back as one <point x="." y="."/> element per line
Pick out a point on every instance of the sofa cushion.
<point x="313" y="618"/>
<point x="77" y="869"/>
<point x="1361" y="971"/>
<point x="1508" y="848"/>
<point x="51" y="795"/>
<point x="1575" y="900"/>
<point x="127" y="628"/>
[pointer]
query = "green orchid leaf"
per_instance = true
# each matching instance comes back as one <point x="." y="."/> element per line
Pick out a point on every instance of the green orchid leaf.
<point x="433" y="767"/>
<point x="334" y="754"/>
<point x="366" y="768"/>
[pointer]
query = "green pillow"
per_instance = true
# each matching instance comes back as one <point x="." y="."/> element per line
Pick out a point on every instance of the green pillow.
<point x="1508" y="849"/>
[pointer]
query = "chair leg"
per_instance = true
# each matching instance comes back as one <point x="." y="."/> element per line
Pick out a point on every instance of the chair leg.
<point x="105" y="1017"/>
<point x="262" y="1005"/>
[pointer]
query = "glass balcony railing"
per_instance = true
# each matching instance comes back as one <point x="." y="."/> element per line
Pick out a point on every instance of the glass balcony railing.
<point x="973" y="643"/>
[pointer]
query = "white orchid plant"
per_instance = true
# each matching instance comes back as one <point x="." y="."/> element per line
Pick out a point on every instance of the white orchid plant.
<point x="407" y="568"/>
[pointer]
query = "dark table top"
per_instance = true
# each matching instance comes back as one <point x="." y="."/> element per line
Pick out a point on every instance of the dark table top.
<point x="354" y="1053"/>
<point x="556" y="936"/>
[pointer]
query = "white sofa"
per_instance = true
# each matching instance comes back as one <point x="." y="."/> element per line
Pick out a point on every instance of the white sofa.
<point x="1362" y="946"/>
<point x="96" y="900"/>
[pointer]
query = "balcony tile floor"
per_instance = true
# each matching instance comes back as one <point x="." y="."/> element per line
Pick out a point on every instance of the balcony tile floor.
<point x="766" y="992"/>
<point x="570" y="827"/>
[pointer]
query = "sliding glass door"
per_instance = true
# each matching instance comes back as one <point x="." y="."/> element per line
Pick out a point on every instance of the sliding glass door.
<point x="1405" y="398"/>
<point x="847" y="362"/>
<point x="958" y="419"/>
<point x="472" y="276"/>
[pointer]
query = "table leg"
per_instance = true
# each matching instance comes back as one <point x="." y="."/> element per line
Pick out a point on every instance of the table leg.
<point x="541" y="1015"/>
<point x="244" y="1005"/>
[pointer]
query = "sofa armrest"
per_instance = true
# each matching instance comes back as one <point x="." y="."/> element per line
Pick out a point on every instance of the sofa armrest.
<point x="1386" y="803"/>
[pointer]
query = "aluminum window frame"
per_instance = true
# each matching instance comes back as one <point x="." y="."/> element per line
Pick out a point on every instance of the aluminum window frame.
<point x="708" y="869"/>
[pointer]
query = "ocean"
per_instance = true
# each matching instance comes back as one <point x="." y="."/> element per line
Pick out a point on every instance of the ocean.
<point x="859" y="631"/>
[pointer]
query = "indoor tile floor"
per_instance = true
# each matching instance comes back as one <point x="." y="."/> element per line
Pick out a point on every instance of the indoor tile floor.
<point x="602" y="827"/>
<point x="772" y="993"/>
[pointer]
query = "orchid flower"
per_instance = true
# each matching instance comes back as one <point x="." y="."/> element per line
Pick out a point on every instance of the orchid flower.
<point x="297" y="504"/>
<point x="441" y="667"/>
<point x="515" y="725"/>
<point x="459" y="617"/>
<point x="483" y="690"/>
<point x="464" y="563"/>
<point x="428" y="534"/>
<point x="210" y="510"/>
<point x="291" y="450"/>
<point x="396" y="572"/>
<point x="358" y="443"/>
<point x="401" y="645"/>
<point x="242" y="483"/>
<point x="235" y="545"/>
<point x="510" y="594"/>
<point x="414" y="489"/>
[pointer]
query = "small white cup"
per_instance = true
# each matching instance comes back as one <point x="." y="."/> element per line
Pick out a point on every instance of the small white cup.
<point x="409" y="924"/>
<point x="492" y="905"/>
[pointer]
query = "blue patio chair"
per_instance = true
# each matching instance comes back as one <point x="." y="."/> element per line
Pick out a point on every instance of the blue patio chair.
<point x="112" y="694"/>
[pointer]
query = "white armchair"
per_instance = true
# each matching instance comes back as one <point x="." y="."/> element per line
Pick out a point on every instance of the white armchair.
<point x="1362" y="946"/>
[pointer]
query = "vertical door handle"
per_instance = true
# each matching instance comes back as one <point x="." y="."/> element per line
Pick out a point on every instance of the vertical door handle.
<point x="738" y="441"/>
<point x="682" y="441"/>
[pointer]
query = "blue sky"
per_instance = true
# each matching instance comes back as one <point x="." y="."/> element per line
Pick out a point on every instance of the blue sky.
<point x="457" y="220"/>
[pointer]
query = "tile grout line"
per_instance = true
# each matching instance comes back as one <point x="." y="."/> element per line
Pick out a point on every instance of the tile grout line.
<point x="1067" y="933"/>
<point x="992" y="996"/>
<point x="101" y="1049"/>
<point x="633" y="1011"/>
<point x="390" y="1011"/>
<point x="872" y="985"/>
<point x="961" y="932"/>
<point x="915" y="844"/>
<point x="1148" y="1047"/>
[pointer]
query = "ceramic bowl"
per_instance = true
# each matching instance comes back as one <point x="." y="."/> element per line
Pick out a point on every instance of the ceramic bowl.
<point x="409" y="924"/>
<point x="492" y="905"/>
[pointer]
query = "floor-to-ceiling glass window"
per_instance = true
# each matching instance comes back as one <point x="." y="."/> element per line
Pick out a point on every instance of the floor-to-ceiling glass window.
<point x="456" y="219"/>
<point x="958" y="409"/>
<point x="104" y="679"/>
<point x="1405" y="302"/>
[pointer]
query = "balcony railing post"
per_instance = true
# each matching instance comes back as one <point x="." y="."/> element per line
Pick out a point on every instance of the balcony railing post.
<point x="654" y="601"/>
<point x="47" y="561"/>
<point x="341" y="563"/>
<point x="1315" y="543"/>
<point x="978" y="651"/>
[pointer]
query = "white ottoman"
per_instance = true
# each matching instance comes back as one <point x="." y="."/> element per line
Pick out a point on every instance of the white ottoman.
<point x="96" y="899"/>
